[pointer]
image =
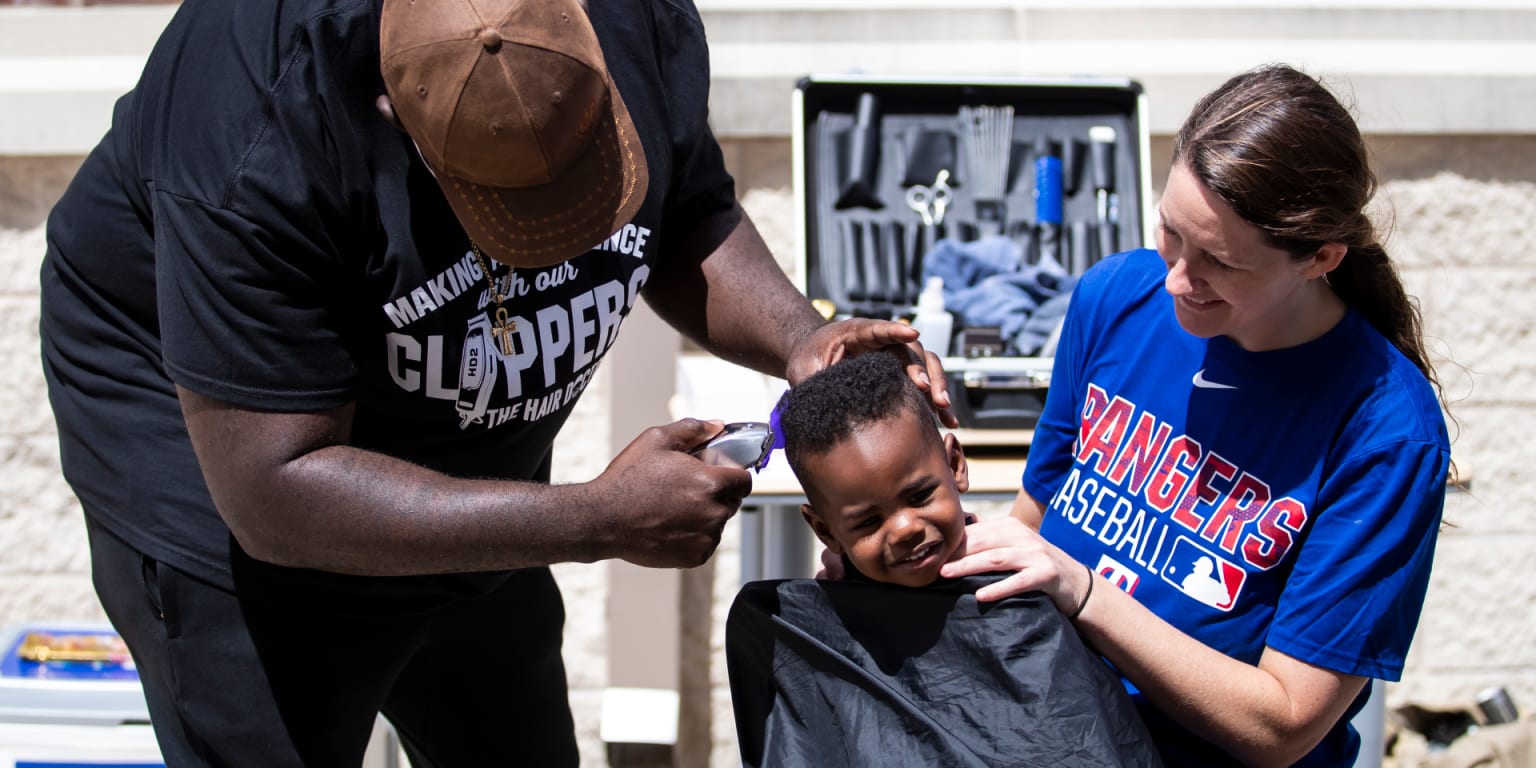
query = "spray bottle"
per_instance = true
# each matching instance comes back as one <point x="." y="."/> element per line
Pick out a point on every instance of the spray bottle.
<point x="934" y="324"/>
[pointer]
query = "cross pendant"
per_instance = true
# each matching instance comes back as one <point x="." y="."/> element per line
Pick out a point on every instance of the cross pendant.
<point x="502" y="331"/>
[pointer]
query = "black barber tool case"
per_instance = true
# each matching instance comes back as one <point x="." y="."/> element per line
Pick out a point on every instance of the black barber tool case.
<point x="1005" y="189"/>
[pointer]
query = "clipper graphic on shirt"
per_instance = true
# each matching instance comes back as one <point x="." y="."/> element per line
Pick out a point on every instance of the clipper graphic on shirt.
<point x="564" y="319"/>
<point x="477" y="372"/>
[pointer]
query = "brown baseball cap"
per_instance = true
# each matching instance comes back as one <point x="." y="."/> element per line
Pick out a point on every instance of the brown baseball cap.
<point x="511" y="105"/>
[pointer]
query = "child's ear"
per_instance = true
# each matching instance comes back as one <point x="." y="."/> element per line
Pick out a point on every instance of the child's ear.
<point x="955" y="454"/>
<point x="820" y="529"/>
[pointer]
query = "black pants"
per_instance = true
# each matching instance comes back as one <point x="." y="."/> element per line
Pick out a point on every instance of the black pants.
<point x="233" y="680"/>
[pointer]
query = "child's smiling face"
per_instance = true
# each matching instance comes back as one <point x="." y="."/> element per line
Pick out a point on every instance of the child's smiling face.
<point x="889" y="498"/>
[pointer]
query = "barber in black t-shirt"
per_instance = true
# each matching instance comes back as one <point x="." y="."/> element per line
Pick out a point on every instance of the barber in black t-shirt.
<point x="312" y="315"/>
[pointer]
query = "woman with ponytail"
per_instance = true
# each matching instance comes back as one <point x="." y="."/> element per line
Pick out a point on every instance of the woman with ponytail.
<point x="1236" y="485"/>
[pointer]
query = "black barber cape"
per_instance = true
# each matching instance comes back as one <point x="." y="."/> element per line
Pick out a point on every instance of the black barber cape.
<point x="858" y="673"/>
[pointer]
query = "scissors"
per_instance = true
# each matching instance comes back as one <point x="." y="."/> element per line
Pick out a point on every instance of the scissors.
<point x="930" y="201"/>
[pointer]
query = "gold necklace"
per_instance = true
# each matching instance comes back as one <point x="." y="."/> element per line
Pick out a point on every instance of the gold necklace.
<point x="503" y="326"/>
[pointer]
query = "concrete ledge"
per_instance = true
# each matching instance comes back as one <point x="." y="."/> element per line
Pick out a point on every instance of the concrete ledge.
<point x="1416" y="66"/>
<point x="62" y="69"/>
<point x="756" y="105"/>
<point x="1107" y="20"/>
<point x="103" y="30"/>
<point x="61" y="105"/>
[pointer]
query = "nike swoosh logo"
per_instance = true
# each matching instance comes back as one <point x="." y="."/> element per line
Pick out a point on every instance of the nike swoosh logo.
<point x="1201" y="382"/>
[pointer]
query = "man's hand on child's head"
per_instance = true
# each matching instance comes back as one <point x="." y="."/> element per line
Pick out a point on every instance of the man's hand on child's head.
<point x="845" y="338"/>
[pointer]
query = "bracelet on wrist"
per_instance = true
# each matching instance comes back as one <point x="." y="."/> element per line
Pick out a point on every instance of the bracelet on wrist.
<point x="1086" y="594"/>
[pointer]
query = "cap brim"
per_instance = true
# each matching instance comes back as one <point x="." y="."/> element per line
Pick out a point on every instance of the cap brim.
<point x="597" y="195"/>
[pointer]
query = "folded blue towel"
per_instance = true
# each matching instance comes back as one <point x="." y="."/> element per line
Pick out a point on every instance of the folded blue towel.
<point x="986" y="283"/>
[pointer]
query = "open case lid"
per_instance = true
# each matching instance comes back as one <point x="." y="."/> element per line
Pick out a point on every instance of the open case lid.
<point x="825" y="109"/>
<point x="1005" y="189"/>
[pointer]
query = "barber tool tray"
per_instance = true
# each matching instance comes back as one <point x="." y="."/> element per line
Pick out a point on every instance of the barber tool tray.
<point x="968" y="209"/>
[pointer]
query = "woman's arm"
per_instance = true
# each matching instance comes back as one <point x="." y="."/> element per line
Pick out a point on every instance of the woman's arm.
<point x="1270" y="714"/>
<point x="1027" y="510"/>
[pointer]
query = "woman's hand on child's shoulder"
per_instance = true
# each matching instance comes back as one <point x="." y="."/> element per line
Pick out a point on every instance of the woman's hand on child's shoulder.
<point x="1004" y="544"/>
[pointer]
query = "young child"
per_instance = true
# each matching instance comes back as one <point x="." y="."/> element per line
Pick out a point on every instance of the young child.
<point x="882" y="483"/>
<point x="855" y="672"/>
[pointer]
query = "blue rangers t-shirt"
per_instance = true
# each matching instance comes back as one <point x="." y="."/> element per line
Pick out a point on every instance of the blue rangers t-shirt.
<point x="1287" y="498"/>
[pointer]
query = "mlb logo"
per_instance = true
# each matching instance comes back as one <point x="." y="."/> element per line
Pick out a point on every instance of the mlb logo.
<point x="1117" y="574"/>
<point x="1206" y="577"/>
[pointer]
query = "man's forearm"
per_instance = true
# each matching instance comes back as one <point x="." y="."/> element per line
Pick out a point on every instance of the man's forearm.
<point x="295" y="493"/>
<point x="347" y="510"/>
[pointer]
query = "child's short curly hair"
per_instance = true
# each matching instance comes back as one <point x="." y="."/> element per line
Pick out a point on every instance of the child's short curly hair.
<point x="828" y="407"/>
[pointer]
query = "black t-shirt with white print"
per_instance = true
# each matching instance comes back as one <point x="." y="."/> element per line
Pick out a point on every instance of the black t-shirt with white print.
<point x="253" y="230"/>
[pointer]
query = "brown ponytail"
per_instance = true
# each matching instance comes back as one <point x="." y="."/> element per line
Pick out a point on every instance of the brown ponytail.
<point x="1367" y="281"/>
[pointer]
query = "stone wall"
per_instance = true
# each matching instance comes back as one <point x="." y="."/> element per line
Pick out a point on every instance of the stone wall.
<point x="1460" y="207"/>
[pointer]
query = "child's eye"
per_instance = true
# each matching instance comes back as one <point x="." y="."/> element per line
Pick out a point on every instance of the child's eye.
<point x="866" y="523"/>
<point x="921" y="498"/>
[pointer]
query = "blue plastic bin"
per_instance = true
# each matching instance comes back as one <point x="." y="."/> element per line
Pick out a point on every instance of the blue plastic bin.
<point x="70" y="698"/>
